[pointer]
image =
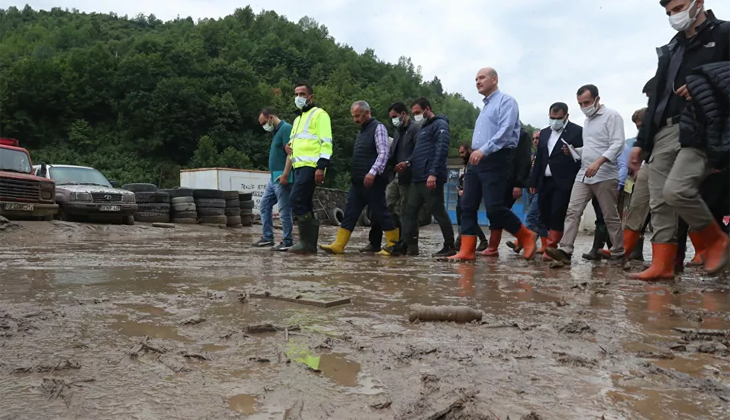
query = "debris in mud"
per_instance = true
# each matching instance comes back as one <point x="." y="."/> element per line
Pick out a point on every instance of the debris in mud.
<point x="561" y="303"/>
<point x="6" y="224"/>
<point x="699" y="333"/>
<point x="326" y="345"/>
<point x="48" y="368"/>
<point x="577" y="361"/>
<point x="295" y="412"/>
<point x="653" y="355"/>
<point x="268" y="328"/>
<point x="173" y="365"/>
<point x="259" y="359"/>
<point x="382" y="405"/>
<point x="242" y="297"/>
<point x="532" y="416"/>
<point x="305" y="298"/>
<point x="54" y="388"/>
<point x="458" y="404"/>
<point x="197" y="356"/>
<point x="193" y="321"/>
<point x="459" y="314"/>
<point x="145" y="347"/>
<point x="582" y="286"/>
<point x="577" y="327"/>
<point x="709" y="348"/>
<point x="679" y="348"/>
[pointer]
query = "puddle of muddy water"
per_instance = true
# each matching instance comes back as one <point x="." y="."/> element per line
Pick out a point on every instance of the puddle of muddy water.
<point x="147" y="309"/>
<point x="243" y="404"/>
<point x="139" y="329"/>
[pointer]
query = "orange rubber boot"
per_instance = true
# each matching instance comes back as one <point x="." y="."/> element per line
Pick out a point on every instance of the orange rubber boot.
<point x="662" y="263"/>
<point x="528" y="240"/>
<point x="700" y="250"/>
<point x="495" y="237"/>
<point x="468" y="249"/>
<point x="544" y="243"/>
<point x="631" y="238"/>
<point x="717" y="248"/>
<point x="553" y="239"/>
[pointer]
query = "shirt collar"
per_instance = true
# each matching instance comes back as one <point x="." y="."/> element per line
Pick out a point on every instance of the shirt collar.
<point x="490" y="97"/>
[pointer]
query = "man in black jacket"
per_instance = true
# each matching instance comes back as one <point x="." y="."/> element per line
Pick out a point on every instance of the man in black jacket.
<point x="396" y="195"/>
<point x="554" y="172"/>
<point x="429" y="174"/>
<point x="702" y="39"/>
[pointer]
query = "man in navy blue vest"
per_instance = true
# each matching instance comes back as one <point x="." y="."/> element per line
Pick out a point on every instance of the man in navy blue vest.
<point x="369" y="180"/>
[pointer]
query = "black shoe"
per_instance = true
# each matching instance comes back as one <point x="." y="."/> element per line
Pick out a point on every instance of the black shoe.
<point x="483" y="245"/>
<point x="263" y="243"/>
<point x="282" y="247"/>
<point x="599" y="240"/>
<point x="399" y="249"/>
<point x="370" y="249"/>
<point x="559" y="255"/>
<point x="446" y="251"/>
<point x="593" y="255"/>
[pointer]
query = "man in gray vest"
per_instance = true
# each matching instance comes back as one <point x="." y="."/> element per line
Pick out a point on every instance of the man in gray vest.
<point x="369" y="180"/>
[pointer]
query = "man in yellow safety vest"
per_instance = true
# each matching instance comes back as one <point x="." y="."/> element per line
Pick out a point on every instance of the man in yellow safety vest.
<point x="310" y="150"/>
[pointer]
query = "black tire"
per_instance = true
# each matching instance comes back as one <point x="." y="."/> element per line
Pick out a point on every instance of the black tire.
<point x="218" y="203"/>
<point x="185" y="221"/>
<point x="234" y="220"/>
<point x="211" y="211"/>
<point x="214" y="220"/>
<point x="154" y="208"/>
<point x="166" y="191"/>
<point x="152" y="197"/>
<point x="233" y="204"/>
<point x="181" y="192"/>
<point x="177" y="208"/>
<point x="233" y="212"/>
<point x="128" y="220"/>
<point x="135" y="188"/>
<point x="247" y="220"/>
<point x="365" y="218"/>
<point x="214" y="194"/>
<point x="182" y="200"/>
<point x="149" y="217"/>
<point x="246" y="211"/>
<point x="247" y="204"/>
<point x="185" y="215"/>
<point x="337" y="215"/>
<point x="245" y="197"/>
<point x="230" y="195"/>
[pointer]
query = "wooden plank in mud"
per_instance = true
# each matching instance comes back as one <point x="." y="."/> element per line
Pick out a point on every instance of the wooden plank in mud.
<point x="304" y="299"/>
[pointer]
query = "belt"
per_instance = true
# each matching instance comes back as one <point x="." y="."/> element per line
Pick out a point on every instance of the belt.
<point x="671" y="121"/>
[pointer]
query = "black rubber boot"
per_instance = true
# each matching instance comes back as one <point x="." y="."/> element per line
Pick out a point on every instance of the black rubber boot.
<point x="308" y="236"/>
<point x="446" y="251"/>
<point x="599" y="239"/>
<point x="412" y="246"/>
<point x="638" y="253"/>
<point x="370" y="249"/>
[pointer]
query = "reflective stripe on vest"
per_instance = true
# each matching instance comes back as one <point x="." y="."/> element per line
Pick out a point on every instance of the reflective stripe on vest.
<point x="306" y="145"/>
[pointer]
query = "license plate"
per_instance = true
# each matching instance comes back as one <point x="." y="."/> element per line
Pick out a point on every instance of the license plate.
<point x="110" y="208"/>
<point x="19" y="207"/>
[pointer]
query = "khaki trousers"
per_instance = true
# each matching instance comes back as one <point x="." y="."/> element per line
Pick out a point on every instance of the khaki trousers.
<point x="682" y="190"/>
<point x="661" y="161"/>
<point x="639" y="208"/>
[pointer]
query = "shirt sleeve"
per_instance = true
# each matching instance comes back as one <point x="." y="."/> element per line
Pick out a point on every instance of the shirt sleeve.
<point x="324" y="132"/>
<point x="623" y="166"/>
<point x="381" y="144"/>
<point x="286" y="134"/>
<point x="509" y="115"/>
<point x="616" y="138"/>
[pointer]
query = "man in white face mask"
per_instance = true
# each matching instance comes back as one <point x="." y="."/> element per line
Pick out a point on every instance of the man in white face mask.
<point x="702" y="40"/>
<point x="603" y="141"/>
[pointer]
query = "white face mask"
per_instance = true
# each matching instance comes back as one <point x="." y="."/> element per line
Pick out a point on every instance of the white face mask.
<point x="682" y="21"/>
<point x="418" y="118"/>
<point x="557" y="125"/>
<point x="396" y="122"/>
<point x="590" y="110"/>
<point x="300" y="102"/>
<point x="268" y="127"/>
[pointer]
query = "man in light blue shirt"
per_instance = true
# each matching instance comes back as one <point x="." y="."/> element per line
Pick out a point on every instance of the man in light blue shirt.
<point x="496" y="135"/>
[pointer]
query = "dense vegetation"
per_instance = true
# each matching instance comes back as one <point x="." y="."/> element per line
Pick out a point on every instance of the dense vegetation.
<point x="139" y="98"/>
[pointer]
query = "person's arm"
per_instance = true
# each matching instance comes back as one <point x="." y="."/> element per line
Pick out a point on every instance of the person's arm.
<point x="441" y="148"/>
<point x="616" y="138"/>
<point x="523" y="161"/>
<point x="381" y="144"/>
<point x="623" y="166"/>
<point x="509" y="115"/>
<point x="324" y="132"/>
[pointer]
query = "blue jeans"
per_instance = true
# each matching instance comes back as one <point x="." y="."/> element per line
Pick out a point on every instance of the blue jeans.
<point x="276" y="193"/>
<point x="534" y="223"/>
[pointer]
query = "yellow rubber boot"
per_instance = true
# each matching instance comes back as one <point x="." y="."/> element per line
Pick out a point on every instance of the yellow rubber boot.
<point x="338" y="246"/>
<point x="391" y="238"/>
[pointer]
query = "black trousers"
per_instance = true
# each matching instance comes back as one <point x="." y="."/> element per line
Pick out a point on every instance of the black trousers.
<point x="303" y="191"/>
<point x="480" y="232"/>
<point x="433" y="199"/>
<point x="374" y="197"/>
<point x="553" y="204"/>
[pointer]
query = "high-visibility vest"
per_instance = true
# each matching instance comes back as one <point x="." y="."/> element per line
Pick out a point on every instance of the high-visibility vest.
<point x="311" y="138"/>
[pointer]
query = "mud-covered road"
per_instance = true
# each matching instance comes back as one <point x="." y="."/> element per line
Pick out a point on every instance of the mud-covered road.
<point x="133" y="322"/>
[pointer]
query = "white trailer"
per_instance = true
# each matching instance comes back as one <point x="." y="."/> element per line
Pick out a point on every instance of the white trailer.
<point x="227" y="179"/>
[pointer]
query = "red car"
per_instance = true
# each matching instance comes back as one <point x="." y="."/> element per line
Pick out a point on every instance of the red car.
<point x="22" y="194"/>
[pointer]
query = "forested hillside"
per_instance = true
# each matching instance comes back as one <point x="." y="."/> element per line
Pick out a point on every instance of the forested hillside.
<point x="140" y="98"/>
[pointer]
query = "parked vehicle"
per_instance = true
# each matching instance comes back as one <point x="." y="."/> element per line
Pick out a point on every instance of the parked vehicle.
<point x="23" y="194"/>
<point x="83" y="191"/>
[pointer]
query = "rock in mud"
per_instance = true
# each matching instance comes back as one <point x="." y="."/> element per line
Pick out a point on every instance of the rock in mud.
<point x="577" y="361"/>
<point x="193" y="321"/>
<point x="461" y="314"/>
<point x="577" y="327"/>
<point x="260" y="329"/>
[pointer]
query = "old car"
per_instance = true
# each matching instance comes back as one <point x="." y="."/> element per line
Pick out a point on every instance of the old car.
<point x="85" y="192"/>
<point x="23" y="195"/>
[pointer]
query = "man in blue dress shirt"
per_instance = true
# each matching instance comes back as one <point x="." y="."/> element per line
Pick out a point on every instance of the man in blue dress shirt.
<point x="495" y="139"/>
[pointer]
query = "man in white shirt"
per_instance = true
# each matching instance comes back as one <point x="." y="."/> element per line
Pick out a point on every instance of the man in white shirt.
<point x="603" y="141"/>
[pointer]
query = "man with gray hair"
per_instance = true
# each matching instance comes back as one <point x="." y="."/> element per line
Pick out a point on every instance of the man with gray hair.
<point x="369" y="181"/>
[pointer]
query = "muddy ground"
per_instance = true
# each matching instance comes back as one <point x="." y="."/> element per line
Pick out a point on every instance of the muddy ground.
<point x="133" y="322"/>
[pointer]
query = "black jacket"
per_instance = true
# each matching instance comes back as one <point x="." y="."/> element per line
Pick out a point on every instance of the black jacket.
<point x="705" y="123"/>
<point x="404" y="140"/>
<point x="521" y="162"/>
<point x="563" y="168"/>
<point x="431" y="151"/>
<point x="710" y="45"/>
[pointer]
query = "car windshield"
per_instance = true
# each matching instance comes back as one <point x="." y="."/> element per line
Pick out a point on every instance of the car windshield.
<point x="81" y="176"/>
<point x="14" y="161"/>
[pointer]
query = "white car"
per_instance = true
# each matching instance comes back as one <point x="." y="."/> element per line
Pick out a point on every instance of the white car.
<point x="83" y="191"/>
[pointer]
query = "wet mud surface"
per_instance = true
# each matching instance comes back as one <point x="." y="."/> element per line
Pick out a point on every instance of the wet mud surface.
<point x="132" y="322"/>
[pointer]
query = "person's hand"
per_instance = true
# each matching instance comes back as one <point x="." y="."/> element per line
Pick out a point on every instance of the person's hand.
<point x="566" y="151"/>
<point x="635" y="160"/>
<point x="319" y="176"/>
<point x="369" y="179"/>
<point x="533" y="191"/>
<point x="401" y="167"/>
<point x="287" y="149"/>
<point x="516" y="193"/>
<point x="592" y="170"/>
<point x="431" y="182"/>
<point x="476" y="157"/>
<point x="684" y="92"/>
<point x="283" y="180"/>
<point x="461" y="193"/>
<point x="716" y="171"/>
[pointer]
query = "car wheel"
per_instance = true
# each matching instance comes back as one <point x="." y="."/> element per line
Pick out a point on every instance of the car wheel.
<point x="128" y="220"/>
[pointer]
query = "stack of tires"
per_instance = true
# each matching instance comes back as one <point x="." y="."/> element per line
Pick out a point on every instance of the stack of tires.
<point x="233" y="209"/>
<point x="153" y="206"/>
<point x="246" y="200"/>
<point x="211" y="207"/>
<point x="184" y="210"/>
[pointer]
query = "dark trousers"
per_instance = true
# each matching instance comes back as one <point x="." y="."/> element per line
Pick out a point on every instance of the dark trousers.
<point x="303" y="191"/>
<point x="600" y="223"/>
<point x="509" y="201"/>
<point x="488" y="181"/>
<point x="374" y="197"/>
<point x="480" y="232"/>
<point x="553" y="203"/>
<point x="419" y="195"/>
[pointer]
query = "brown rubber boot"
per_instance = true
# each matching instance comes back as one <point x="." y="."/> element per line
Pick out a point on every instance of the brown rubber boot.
<point x="468" y="249"/>
<point x="495" y="237"/>
<point x="662" y="263"/>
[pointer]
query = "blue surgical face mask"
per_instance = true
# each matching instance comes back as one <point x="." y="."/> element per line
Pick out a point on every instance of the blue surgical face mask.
<point x="300" y="102"/>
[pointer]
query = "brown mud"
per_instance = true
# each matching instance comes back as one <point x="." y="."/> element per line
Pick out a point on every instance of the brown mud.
<point x="121" y="322"/>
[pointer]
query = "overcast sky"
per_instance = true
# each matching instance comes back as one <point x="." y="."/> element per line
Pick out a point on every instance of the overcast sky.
<point x="544" y="50"/>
